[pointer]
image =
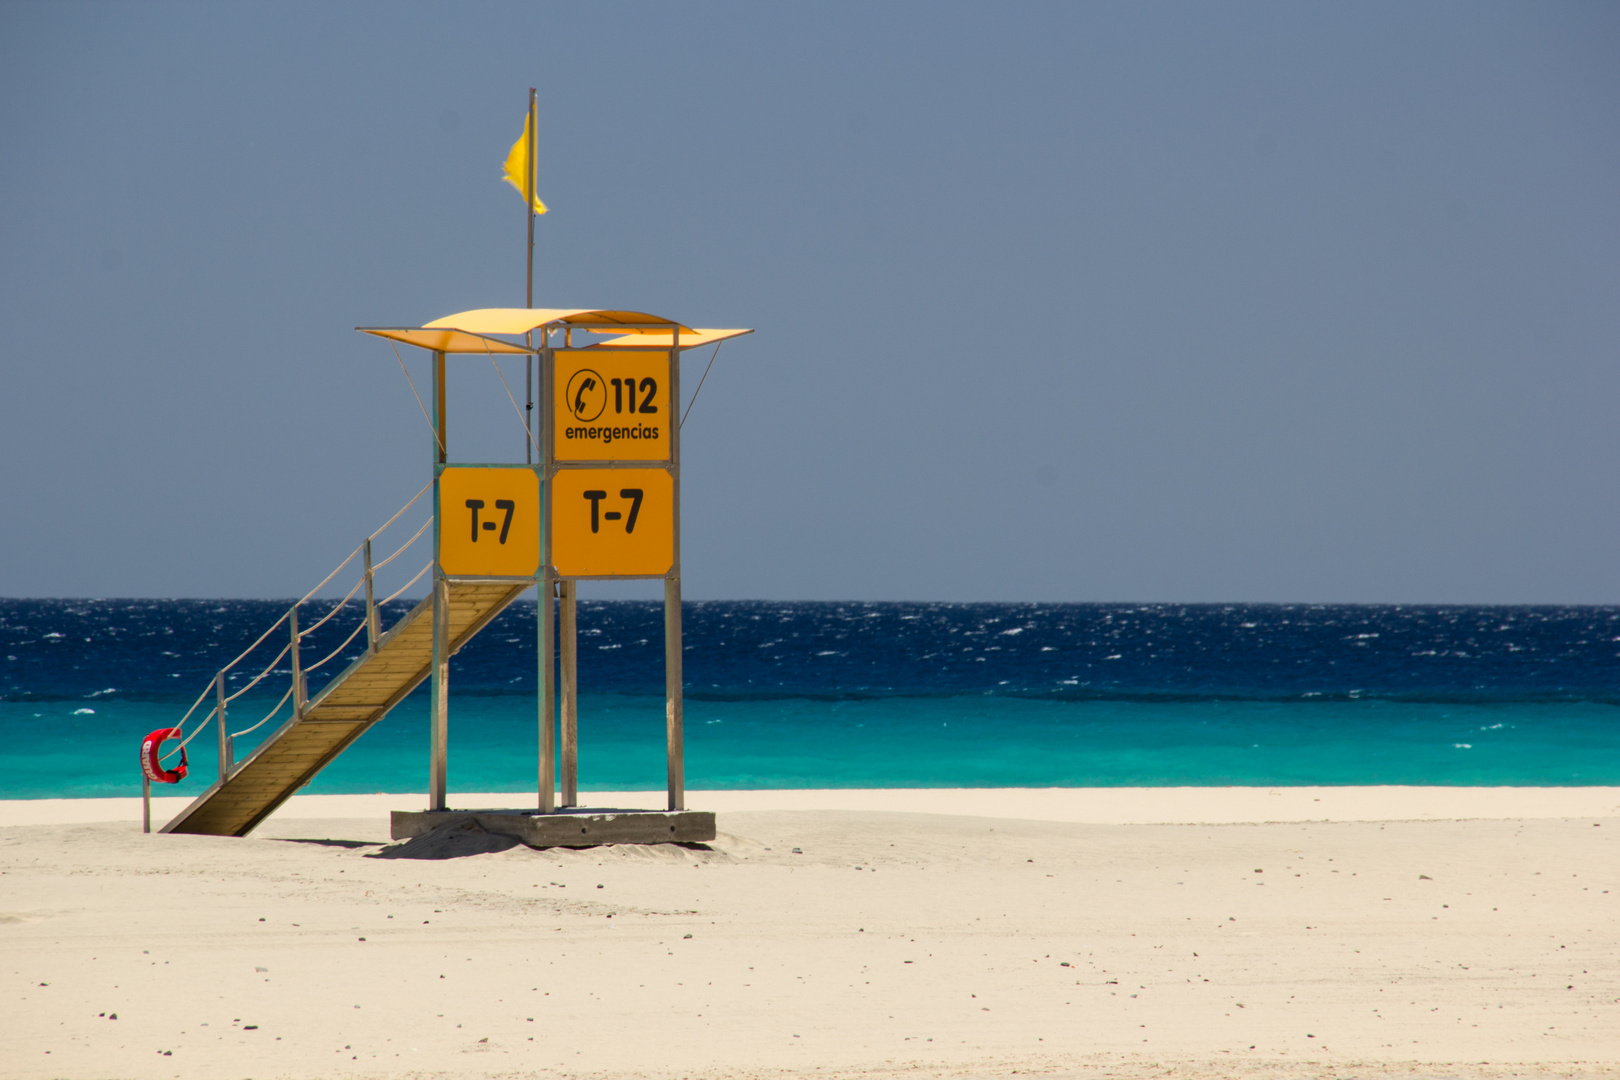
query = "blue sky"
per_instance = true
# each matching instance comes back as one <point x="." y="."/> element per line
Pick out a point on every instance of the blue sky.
<point x="1054" y="302"/>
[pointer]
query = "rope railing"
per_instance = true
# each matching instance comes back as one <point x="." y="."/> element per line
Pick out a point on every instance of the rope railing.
<point x="408" y="584"/>
<point x="327" y="578"/>
<point x="407" y="506"/>
<point x="194" y="705"/>
<point x="353" y="634"/>
<point x="337" y="607"/>
<point x="341" y="603"/>
<point x="267" y="716"/>
<point x="403" y="546"/>
<point x="296" y="690"/>
<point x="201" y="727"/>
<point x="260" y="677"/>
<point x="425" y="569"/>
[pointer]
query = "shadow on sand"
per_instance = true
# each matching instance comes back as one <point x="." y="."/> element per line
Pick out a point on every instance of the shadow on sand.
<point x="467" y="837"/>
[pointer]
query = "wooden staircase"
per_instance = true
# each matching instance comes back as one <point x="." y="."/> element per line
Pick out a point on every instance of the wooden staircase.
<point x="343" y="711"/>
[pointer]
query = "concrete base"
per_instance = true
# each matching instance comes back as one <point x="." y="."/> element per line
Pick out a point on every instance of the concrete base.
<point x="574" y="827"/>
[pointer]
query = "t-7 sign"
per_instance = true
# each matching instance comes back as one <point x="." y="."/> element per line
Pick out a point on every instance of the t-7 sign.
<point x="612" y="522"/>
<point x="489" y="522"/>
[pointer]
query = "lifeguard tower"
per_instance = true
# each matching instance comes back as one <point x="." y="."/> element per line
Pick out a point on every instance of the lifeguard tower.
<point x="598" y="499"/>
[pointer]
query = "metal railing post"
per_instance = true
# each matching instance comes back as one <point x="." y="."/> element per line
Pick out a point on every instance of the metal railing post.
<point x="371" y="604"/>
<point x="297" y="667"/>
<point x="225" y="749"/>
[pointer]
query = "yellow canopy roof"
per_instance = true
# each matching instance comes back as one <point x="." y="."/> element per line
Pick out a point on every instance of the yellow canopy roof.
<point x="522" y="320"/>
<point x="468" y="331"/>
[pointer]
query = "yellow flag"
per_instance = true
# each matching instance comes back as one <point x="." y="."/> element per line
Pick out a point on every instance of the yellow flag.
<point x="518" y="163"/>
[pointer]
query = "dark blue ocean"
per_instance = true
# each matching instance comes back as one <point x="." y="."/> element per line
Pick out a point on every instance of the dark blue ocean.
<point x="877" y="695"/>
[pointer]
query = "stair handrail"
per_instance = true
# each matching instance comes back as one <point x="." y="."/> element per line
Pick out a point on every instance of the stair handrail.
<point x="365" y="579"/>
<point x="363" y="624"/>
<point x="270" y="667"/>
<point x="425" y="568"/>
<point x="337" y="607"/>
<point x="403" y="546"/>
<point x="267" y="716"/>
<point x="216" y="683"/>
<point x="352" y="635"/>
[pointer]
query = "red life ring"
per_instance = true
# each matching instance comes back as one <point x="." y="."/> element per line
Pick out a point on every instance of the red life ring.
<point x="151" y="748"/>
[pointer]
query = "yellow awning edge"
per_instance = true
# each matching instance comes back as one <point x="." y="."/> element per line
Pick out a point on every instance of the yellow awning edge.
<point x="443" y="340"/>
<point x="690" y="339"/>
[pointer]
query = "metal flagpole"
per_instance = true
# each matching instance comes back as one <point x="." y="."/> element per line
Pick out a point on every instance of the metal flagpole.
<point x="439" y="673"/>
<point x="545" y="638"/>
<point x="528" y="287"/>
<point x="528" y="195"/>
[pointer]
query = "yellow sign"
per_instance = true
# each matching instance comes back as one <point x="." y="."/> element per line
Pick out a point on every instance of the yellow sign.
<point x="612" y="522"/>
<point x="611" y="405"/>
<point x="489" y="522"/>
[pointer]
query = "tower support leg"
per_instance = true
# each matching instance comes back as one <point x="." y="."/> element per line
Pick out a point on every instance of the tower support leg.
<point x="674" y="734"/>
<point x="545" y="614"/>
<point x="439" y="692"/>
<point x="569" y="635"/>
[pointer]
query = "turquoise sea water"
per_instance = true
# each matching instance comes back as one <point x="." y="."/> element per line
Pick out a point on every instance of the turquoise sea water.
<point x="883" y="695"/>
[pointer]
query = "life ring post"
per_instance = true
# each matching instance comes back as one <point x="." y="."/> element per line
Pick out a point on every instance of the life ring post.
<point x="146" y="802"/>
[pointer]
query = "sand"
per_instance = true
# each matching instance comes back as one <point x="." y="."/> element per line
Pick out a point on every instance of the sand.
<point x="912" y="934"/>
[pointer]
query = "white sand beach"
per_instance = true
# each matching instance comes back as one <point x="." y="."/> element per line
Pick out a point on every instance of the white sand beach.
<point x="1187" y="932"/>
